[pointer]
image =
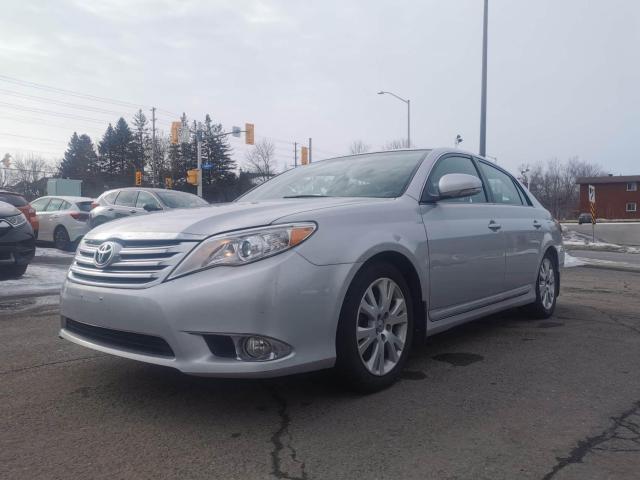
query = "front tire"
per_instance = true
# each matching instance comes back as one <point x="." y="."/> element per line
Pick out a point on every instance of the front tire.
<point x="375" y="331"/>
<point x="547" y="283"/>
<point x="13" y="271"/>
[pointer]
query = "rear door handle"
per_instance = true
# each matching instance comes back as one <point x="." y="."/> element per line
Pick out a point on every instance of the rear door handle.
<point x="494" y="226"/>
<point x="537" y="224"/>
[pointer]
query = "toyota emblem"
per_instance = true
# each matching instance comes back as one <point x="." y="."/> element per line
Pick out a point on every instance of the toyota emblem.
<point x="106" y="254"/>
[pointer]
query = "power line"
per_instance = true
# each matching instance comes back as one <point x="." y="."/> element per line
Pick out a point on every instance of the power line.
<point x="50" y="112"/>
<point x="59" y="102"/>
<point x="40" y="86"/>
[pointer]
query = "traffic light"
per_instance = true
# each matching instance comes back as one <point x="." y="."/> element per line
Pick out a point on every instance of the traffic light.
<point x="192" y="176"/>
<point x="249" y="135"/>
<point x="168" y="183"/>
<point x="304" y="155"/>
<point x="138" y="178"/>
<point x="175" y="132"/>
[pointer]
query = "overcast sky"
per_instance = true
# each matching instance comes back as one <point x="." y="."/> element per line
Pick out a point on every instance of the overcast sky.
<point x="564" y="75"/>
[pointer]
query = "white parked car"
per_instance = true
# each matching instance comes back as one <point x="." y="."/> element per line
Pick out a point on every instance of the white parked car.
<point x="63" y="220"/>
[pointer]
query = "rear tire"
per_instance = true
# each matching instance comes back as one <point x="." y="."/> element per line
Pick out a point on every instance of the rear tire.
<point x="547" y="282"/>
<point x="375" y="330"/>
<point x="61" y="239"/>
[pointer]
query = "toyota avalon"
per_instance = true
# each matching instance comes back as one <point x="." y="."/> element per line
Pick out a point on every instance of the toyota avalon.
<point x="340" y="264"/>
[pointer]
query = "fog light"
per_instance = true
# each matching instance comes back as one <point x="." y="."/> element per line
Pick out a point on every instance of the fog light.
<point x="258" y="347"/>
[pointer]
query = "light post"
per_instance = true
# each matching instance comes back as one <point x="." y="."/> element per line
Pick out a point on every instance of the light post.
<point x="483" y="93"/>
<point x="408" y="102"/>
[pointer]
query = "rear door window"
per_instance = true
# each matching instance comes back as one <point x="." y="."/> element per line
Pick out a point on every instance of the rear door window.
<point x="127" y="198"/>
<point x="54" y="205"/>
<point x="502" y="187"/>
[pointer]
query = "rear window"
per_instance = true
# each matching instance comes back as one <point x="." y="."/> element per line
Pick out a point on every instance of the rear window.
<point x="15" y="200"/>
<point x="84" y="206"/>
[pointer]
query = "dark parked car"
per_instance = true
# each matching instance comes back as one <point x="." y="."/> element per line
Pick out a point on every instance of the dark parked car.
<point x="17" y="242"/>
<point x="127" y="202"/>
<point x="18" y="201"/>
<point x="584" y="218"/>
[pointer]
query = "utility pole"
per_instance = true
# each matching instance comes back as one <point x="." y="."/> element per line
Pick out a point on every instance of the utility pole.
<point x="199" y="157"/>
<point x="153" y="146"/>
<point x="310" y="151"/>
<point x="295" y="154"/>
<point x="483" y="95"/>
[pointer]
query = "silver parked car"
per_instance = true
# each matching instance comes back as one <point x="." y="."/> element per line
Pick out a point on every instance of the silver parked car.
<point x="341" y="263"/>
<point x="136" y="201"/>
<point x="63" y="220"/>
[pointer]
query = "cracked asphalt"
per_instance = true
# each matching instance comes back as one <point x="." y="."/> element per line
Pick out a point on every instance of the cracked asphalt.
<point x="501" y="398"/>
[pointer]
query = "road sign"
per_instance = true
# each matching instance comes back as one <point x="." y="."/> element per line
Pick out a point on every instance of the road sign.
<point x="236" y="131"/>
<point x="207" y="166"/>
<point x="592" y="194"/>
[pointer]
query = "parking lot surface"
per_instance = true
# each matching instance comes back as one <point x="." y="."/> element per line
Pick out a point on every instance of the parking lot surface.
<point x="503" y="397"/>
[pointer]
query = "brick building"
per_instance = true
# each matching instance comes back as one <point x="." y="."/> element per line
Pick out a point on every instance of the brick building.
<point x="617" y="197"/>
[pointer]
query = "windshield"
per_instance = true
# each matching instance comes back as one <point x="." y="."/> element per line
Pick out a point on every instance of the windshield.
<point x="382" y="175"/>
<point x="181" y="200"/>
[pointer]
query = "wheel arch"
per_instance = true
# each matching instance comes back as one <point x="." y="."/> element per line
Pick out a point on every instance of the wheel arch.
<point x="410" y="274"/>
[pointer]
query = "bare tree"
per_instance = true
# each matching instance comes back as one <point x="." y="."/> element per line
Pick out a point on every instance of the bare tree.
<point x="261" y="160"/>
<point x="554" y="184"/>
<point x="358" y="146"/>
<point x="396" y="144"/>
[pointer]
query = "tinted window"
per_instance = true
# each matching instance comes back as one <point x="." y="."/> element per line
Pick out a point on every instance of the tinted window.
<point x="453" y="165"/>
<point x="181" y="200"/>
<point x="501" y="185"/>
<point x="15" y="200"/>
<point x="145" y="198"/>
<point x="40" y="204"/>
<point x="84" y="206"/>
<point x="384" y="175"/>
<point x="127" y="198"/>
<point x="54" y="205"/>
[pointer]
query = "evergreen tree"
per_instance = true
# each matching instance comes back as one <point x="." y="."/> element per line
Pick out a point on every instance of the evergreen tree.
<point x="106" y="150"/>
<point x="217" y="152"/>
<point x="80" y="161"/>
<point x="141" y="144"/>
<point x="124" y="152"/>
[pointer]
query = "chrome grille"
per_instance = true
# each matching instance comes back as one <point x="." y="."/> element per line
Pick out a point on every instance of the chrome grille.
<point x="140" y="263"/>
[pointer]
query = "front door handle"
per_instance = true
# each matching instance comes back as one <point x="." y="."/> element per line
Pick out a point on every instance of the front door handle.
<point x="537" y="224"/>
<point x="494" y="226"/>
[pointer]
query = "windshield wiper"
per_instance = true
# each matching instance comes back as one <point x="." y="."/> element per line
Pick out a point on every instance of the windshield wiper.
<point x="304" y="196"/>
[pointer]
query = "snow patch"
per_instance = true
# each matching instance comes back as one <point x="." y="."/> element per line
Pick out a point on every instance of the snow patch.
<point x="570" y="261"/>
<point x="37" y="279"/>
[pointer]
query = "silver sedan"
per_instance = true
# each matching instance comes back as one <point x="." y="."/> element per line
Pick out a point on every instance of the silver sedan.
<point x="344" y="264"/>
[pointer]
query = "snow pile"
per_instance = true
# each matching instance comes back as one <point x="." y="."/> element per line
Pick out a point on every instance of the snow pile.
<point x="38" y="279"/>
<point x="53" y="252"/>
<point x="583" y="241"/>
<point x="570" y="261"/>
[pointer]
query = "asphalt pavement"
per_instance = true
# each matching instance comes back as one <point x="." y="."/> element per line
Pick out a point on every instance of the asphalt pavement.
<point x="501" y="398"/>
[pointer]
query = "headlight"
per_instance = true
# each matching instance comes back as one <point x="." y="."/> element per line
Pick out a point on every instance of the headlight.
<point x="17" y="220"/>
<point x="244" y="246"/>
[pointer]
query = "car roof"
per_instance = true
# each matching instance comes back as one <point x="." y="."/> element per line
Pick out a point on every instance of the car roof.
<point x="68" y="198"/>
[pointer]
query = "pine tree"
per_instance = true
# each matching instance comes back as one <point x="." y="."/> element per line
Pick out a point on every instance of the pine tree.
<point x="80" y="161"/>
<point x="141" y="144"/>
<point x="106" y="150"/>
<point x="124" y="152"/>
<point x="217" y="152"/>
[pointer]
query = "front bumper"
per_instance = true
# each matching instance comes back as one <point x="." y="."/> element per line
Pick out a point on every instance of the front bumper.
<point x="284" y="297"/>
<point x="17" y="245"/>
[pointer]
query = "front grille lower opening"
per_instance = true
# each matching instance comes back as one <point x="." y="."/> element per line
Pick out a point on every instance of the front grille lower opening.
<point x="134" y="342"/>
<point x="221" y="345"/>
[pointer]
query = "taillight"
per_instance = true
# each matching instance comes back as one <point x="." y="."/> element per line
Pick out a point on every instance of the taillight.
<point x="94" y="205"/>
<point x="80" y="216"/>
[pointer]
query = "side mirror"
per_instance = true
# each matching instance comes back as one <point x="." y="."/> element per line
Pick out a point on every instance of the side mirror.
<point x="149" y="207"/>
<point x="457" y="185"/>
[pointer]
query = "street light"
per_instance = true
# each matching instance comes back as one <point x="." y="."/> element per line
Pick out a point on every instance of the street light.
<point x="408" y="102"/>
<point x="483" y="92"/>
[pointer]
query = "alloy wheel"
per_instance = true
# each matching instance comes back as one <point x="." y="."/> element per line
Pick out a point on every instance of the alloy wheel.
<point x="382" y="326"/>
<point x="547" y="283"/>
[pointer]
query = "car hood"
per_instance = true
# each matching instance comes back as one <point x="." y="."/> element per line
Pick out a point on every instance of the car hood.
<point x="197" y="223"/>
<point x="7" y="210"/>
